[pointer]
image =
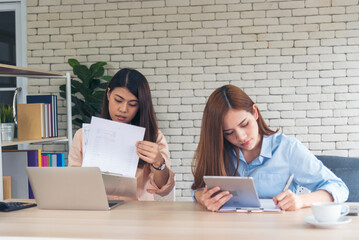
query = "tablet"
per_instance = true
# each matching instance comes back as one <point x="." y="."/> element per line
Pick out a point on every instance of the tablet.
<point x="242" y="188"/>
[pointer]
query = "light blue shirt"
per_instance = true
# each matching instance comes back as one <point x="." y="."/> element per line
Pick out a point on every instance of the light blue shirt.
<point x="282" y="156"/>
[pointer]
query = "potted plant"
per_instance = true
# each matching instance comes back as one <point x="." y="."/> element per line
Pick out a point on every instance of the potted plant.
<point x="87" y="91"/>
<point x="7" y="123"/>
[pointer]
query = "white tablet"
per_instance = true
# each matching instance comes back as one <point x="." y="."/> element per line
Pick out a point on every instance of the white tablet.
<point x="242" y="188"/>
<point x="244" y="193"/>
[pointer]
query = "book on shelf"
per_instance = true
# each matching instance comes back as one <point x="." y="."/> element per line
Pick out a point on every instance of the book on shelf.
<point x="30" y="121"/>
<point x="33" y="156"/>
<point x="60" y="158"/>
<point x="44" y="160"/>
<point x="54" y="159"/>
<point x="51" y="103"/>
<point x="15" y="163"/>
<point x="6" y="183"/>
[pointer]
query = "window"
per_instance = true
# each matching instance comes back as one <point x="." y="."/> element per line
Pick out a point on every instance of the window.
<point x="12" y="47"/>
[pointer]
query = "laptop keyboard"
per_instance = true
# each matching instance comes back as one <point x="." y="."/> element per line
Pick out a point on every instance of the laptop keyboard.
<point x="13" y="206"/>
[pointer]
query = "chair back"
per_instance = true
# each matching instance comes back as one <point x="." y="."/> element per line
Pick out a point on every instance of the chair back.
<point x="346" y="168"/>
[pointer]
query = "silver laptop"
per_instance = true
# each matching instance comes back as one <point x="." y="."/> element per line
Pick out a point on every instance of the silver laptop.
<point x="72" y="188"/>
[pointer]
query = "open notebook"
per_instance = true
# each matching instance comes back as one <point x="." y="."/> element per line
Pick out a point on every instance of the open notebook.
<point x="245" y="197"/>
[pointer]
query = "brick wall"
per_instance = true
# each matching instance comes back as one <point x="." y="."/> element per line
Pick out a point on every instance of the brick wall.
<point x="298" y="60"/>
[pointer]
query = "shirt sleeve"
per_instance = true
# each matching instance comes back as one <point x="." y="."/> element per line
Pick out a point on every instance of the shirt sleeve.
<point x="193" y="192"/>
<point x="75" y="154"/>
<point x="310" y="172"/>
<point x="167" y="188"/>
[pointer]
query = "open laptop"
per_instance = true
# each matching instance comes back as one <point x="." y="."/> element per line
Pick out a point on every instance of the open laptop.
<point x="245" y="197"/>
<point x="72" y="188"/>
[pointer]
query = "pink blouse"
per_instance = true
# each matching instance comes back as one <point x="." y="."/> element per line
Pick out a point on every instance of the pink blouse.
<point x="146" y="185"/>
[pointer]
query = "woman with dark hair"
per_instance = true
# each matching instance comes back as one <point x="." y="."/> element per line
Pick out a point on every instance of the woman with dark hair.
<point x="236" y="141"/>
<point x="128" y="100"/>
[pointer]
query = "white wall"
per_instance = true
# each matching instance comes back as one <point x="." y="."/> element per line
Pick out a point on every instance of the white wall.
<point x="299" y="60"/>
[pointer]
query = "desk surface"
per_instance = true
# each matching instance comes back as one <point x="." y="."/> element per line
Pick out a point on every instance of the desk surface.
<point x="167" y="220"/>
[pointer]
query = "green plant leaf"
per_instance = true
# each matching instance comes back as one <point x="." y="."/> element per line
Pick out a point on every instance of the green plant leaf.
<point x="6" y="115"/>
<point x="87" y="90"/>
<point x="97" y="69"/>
<point x="95" y="83"/>
<point x="99" y="95"/>
<point x="78" y="122"/>
<point x="73" y="62"/>
<point x="63" y="89"/>
<point x="103" y="85"/>
<point x="107" y="78"/>
<point x="82" y="89"/>
<point x="83" y="73"/>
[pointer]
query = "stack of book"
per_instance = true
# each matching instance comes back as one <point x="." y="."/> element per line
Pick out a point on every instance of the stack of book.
<point x="38" y="118"/>
<point x="15" y="163"/>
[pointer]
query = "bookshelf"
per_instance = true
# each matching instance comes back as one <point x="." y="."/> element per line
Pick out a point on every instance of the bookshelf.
<point x="15" y="71"/>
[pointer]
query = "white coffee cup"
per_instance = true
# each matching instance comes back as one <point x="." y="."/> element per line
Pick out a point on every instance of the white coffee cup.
<point x="329" y="211"/>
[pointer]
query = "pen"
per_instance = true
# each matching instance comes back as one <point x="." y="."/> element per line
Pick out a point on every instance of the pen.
<point x="289" y="181"/>
<point x="249" y="210"/>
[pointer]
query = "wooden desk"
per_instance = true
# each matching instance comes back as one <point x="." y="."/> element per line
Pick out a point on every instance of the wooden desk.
<point x="167" y="220"/>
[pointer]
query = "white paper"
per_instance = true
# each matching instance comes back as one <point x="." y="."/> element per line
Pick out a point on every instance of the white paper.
<point x="111" y="146"/>
<point x="85" y="137"/>
<point x="267" y="205"/>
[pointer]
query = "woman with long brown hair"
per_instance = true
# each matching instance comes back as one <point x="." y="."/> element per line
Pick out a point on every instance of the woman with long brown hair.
<point x="128" y="100"/>
<point x="236" y="141"/>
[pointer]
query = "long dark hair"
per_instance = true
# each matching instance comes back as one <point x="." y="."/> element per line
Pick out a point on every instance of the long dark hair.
<point x="211" y="157"/>
<point x="138" y="85"/>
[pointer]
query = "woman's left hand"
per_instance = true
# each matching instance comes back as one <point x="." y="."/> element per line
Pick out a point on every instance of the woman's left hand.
<point x="288" y="201"/>
<point x="149" y="152"/>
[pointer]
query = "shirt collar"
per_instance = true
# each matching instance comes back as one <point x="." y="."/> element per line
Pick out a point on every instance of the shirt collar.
<point x="266" y="151"/>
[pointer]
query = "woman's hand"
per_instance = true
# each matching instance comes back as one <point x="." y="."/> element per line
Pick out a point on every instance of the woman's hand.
<point x="288" y="201"/>
<point x="212" y="203"/>
<point x="149" y="152"/>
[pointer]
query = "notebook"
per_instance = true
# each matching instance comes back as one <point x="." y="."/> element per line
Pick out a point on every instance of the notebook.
<point x="245" y="197"/>
<point x="72" y="188"/>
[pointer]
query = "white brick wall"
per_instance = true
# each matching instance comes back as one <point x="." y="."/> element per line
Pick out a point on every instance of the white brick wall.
<point x="299" y="60"/>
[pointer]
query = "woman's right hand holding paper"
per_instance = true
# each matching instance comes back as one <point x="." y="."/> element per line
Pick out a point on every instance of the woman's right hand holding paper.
<point x="210" y="200"/>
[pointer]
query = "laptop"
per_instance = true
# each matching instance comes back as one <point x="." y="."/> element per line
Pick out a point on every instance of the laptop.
<point x="245" y="197"/>
<point x="73" y="188"/>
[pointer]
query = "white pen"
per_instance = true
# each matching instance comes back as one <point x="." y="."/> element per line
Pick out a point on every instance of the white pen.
<point x="289" y="181"/>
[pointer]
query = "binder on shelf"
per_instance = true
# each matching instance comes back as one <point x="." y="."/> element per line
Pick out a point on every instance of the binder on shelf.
<point x="14" y="165"/>
<point x="60" y="158"/>
<point x="32" y="161"/>
<point x="52" y="108"/>
<point x="30" y="120"/>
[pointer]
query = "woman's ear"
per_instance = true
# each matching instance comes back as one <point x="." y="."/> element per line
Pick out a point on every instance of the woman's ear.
<point x="108" y="94"/>
<point x="255" y="111"/>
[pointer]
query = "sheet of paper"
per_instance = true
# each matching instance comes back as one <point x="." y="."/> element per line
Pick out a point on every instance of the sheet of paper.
<point x="267" y="205"/>
<point x="85" y="136"/>
<point x="111" y="146"/>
